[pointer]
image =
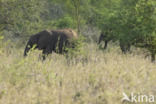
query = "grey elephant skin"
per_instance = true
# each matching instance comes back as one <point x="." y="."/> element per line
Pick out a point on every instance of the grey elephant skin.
<point x="124" y="46"/>
<point x="49" y="40"/>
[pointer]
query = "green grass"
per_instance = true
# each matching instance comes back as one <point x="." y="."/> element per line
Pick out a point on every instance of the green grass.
<point x="99" y="78"/>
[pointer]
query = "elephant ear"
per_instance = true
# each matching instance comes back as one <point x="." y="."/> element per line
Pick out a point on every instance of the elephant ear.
<point x="73" y="33"/>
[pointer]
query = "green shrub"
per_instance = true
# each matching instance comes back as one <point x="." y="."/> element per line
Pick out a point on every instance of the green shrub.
<point x="76" y="47"/>
<point x="66" y="22"/>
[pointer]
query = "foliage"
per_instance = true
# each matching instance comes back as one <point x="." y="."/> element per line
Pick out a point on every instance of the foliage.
<point x="137" y="22"/>
<point x="21" y="17"/>
<point x="76" y="48"/>
<point x="101" y="79"/>
<point x="65" y="22"/>
<point x="85" y="74"/>
<point x="130" y="22"/>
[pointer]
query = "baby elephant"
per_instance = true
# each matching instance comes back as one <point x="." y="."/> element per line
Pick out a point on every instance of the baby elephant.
<point x="49" y="40"/>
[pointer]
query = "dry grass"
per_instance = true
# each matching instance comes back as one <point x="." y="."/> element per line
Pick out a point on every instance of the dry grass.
<point x="100" y="78"/>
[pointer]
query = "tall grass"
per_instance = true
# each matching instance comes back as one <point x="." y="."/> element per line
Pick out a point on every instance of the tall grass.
<point x="99" y="78"/>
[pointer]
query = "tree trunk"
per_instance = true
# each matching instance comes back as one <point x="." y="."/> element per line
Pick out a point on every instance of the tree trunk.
<point x="78" y="16"/>
<point x="76" y="4"/>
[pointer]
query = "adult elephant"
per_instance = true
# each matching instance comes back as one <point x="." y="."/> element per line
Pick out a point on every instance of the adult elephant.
<point x="124" y="45"/>
<point x="104" y="37"/>
<point x="51" y="40"/>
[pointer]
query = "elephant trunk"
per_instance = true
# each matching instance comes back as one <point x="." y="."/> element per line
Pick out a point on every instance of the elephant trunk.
<point x="27" y="48"/>
<point x="26" y="51"/>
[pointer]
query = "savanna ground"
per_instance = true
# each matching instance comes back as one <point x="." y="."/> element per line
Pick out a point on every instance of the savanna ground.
<point x="99" y="78"/>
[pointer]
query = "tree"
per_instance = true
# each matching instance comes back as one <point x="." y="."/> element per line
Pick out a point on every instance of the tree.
<point x="136" y="24"/>
<point x="21" y="17"/>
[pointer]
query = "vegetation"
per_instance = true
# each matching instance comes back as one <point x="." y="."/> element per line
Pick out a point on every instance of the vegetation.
<point x="86" y="74"/>
<point x="101" y="78"/>
<point x="131" y="22"/>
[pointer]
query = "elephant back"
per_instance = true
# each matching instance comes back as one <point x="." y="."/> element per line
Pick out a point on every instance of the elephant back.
<point x="68" y="33"/>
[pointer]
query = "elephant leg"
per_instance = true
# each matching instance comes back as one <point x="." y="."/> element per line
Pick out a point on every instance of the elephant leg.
<point x="128" y="48"/>
<point x="60" y="48"/>
<point x="122" y="47"/>
<point x="125" y="49"/>
<point x="67" y="45"/>
<point x="55" y="45"/>
<point x="106" y="43"/>
<point x="61" y="45"/>
<point x="46" y="51"/>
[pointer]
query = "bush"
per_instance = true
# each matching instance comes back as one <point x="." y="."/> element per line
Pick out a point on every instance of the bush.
<point x="66" y="22"/>
<point x="76" y="47"/>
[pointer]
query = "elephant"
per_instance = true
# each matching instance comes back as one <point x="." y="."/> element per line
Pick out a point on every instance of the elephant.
<point x="49" y="40"/>
<point x="124" y="46"/>
<point x="105" y="38"/>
